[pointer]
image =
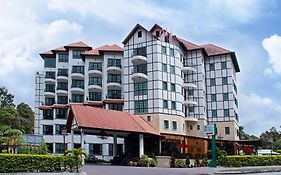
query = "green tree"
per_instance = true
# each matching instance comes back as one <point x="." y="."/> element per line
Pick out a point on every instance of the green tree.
<point x="244" y="136"/>
<point x="25" y="118"/>
<point x="7" y="116"/>
<point x="277" y="145"/>
<point x="12" y="138"/>
<point x="6" y="99"/>
<point x="78" y="155"/>
<point x="269" y="137"/>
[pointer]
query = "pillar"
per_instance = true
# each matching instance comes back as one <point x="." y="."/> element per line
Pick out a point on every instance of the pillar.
<point x="72" y="139"/>
<point x="82" y="139"/>
<point x="114" y="145"/>
<point x="141" y="145"/>
<point x="160" y="146"/>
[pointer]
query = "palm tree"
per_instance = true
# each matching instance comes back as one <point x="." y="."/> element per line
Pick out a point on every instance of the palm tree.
<point x="78" y="155"/>
<point x="12" y="138"/>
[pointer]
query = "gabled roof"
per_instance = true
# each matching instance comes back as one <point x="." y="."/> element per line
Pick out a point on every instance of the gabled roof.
<point x="154" y="27"/>
<point x="78" y="44"/>
<point x="104" y="48"/>
<point x="188" y="45"/>
<point x="133" y="31"/>
<point x="98" y="118"/>
<point x="47" y="54"/>
<point x="59" y="49"/>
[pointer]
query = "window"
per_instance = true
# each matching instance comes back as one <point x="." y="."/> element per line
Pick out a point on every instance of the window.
<point x="77" y="98"/>
<point x="157" y="33"/>
<point x="95" y="66"/>
<point x="175" y="125"/>
<point x="142" y="68"/>
<point x="140" y="106"/>
<point x="50" y="147"/>
<point x="190" y="127"/>
<point x="140" y="88"/>
<point x="148" y="118"/>
<point x="50" y="88"/>
<point x="225" y="97"/>
<point x="110" y="149"/>
<point x="60" y="148"/>
<point x="227" y="130"/>
<point x="114" y="94"/>
<point x="140" y="51"/>
<point x="49" y="101"/>
<point x="173" y="87"/>
<point x="212" y="81"/>
<point x="49" y="62"/>
<point x="165" y="85"/>
<point x="114" y="62"/>
<point x="191" y="109"/>
<point x="190" y="92"/>
<point x="78" y="69"/>
<point x="164" y="67"/>
<point x="51" y="75"/>
<point x="48" y="114"/>
<point x="213" y="97"/>
<point x="212" y="67"/>
<point x="95" y="96"/>
<point x="166" y="124"/>
<point x="62" y="86"/>
<point x="63" y="57"/>
<point x="214" y="113"/>
<point x="62" y="100"/>
<point x="223" y="65"/>
<point x="77" y="84"/>
<point x="63" y="72"/>
<point x="61" y="113"/>
<point x="113" y="78"/>
<point x="198" y="127"/>
<point x="172" y="69"/>
<point x="235" y="100"/>
<point x="77" y="54"/>
<point x="234" y="86"/>
<point x="172" y="52"/>
<point x="226" y="112"/>
<point x="95" y="81"/>
<point x="116" y="107"/>
<point x="165" y="104"/>
<point x="47" y="129"/>
<point x="224" y="80"/>
<point x="59" y="129"/>
<point x="139" y="34"/>
<point x="163" y="50"/>
<point x="173" y="105"/>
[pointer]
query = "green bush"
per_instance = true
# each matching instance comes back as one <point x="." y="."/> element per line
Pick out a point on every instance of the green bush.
<point x="180" y="163"/>
<point x="250" y="160"/>
<point x="187" y="161"/>
<point x="36" y="163"/>
<point x="152" y="162"/>
<point x="30" y="149"/>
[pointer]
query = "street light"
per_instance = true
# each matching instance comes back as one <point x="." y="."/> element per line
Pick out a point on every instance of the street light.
<point x="64" y="133"/>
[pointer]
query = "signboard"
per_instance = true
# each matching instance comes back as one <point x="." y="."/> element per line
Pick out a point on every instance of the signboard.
<point x="209" y="130"/>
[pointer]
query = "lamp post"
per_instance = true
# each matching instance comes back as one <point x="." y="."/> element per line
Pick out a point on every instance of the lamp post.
<point x="64" y="133"/>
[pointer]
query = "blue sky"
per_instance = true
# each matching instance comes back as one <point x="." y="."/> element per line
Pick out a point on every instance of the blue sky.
<point x="250" y="28"/>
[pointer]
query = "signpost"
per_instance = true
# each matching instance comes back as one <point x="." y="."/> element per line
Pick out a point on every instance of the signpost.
<point x="211" y="130"/>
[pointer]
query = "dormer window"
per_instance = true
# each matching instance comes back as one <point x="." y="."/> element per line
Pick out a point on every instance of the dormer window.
<point x="157" y="33"/>
<point x="139" y="34"/>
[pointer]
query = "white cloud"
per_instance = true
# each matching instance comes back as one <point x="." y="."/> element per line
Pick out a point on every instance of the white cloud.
<point x="272" y="45"/>
<point x="268" y="72"/>
<point x="258" y="113"/>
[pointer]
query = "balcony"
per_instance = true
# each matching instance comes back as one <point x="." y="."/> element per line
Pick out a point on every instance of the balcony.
<point x="139" y="59"/>
<point x="95" y="88"/>
<point x="95" y="72"/>
<point x="114" y="69"/>
<point x="77" y="75"/>
<point x="50" y="80"/>
<point x="187" y="85"/>
<point x="187" y="69"/>
<point x="139" y="77"/>
<point x="114" y="85"/>
<point x="62" y="92"/>
<point x="49" y="93"/>
<point x="189" y="103"/>
<point x="190" y="119"/>
<point x="77" y="89"/>
<point x="114" y="96"/>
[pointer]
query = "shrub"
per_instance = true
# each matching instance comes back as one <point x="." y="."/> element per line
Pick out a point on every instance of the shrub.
<point x="197" y="162"/>
<point x="180" y="163"/>
<point x="253" y="160"/>
<point x="36" y="163"/>
<point x="187" y="161"/>
<point x="152" y="162"/>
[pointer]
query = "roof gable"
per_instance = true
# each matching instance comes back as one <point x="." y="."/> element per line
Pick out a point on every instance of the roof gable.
<point x="78" y="44"/>
<point x="134" y="31"/>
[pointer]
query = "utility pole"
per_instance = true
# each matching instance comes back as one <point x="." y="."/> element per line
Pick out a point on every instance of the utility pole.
<point x="213" y="163"/>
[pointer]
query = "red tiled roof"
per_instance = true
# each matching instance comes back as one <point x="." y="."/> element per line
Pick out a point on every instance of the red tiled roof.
<point x="96" y="103"/>
<point x="54" y="106"/>
<point x="97" y="118"/>
<point x="113" y="101"/>
<point x="212" y="49"/>
<point x="47" y="53"/>
<point x="78" y="44"/>
<point x="105" y="48"/>
<point x="187" y="44"/>
<point x="59" y="49"/>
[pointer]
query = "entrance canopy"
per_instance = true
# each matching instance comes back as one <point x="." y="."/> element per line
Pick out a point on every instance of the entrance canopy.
<point x="96" y="120"/>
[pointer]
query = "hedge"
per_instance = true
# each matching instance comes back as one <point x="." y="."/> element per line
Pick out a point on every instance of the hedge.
<point x="250" y="160"/>
<point x="36" y="163"/>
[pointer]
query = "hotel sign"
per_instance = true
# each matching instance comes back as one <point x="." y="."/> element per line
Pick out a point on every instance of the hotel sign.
<point x="209" y="130"/>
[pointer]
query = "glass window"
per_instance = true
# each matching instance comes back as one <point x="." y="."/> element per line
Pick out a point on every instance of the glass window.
<point x="165" y="85"/>
<point x="175" y="125"/>
<point x="166" y="124"/>
<point x="148" y="118"/>
<point x="172" y="69"/>
<point x="59" y="129"/>
<point x="49" y="88"/>
<point x="95" y="66"/>
<point x="164" y="67"/>
<point x="48" y="114"/>
<point x="61" y="113"/>
<point x="224" y="80"/>
<point x="142" y="68"/>
<point x="212" y="67"/>
<point x="75" y="98"/>
<point x="117" y="107"/>
<point x="191" y="109"/>
<point x="223" y="65"/>
<point x="114" y="94"/>
<point x="190" y="92"/>
<point x="49" y="101"/>
<point x="213" y="97"/>
<point x="173" y="105"/>
<point x="77" y="84"/>
<point x="164" y="50"/>
<point x="157" y="33"/>
<point x="225" y="97"/>
<point x="190" y="127"/>
<point x="198" y="127"/>
<point x="172" y="52"/>
<point x="140" y="51"/>
<point x="226" y="112"/>
<point x="140" y="88"/>
<point x="63" y="72"/>
<point x="212" y="81"/>
<point x="227" y="130"/>
<point x="78" y="69"/>
<point x="141" y="106"/>
<point x="47" y="129"/>
<point x="139" y="34"/>
<point x="77" y="54"/>
<point x="173" y="87"/>
<point x="62" y="86"/>
<point x="95" y="96"/>
<point x="114" y="78"/>
<point x="114" y="62"/>
<point x="165" y="104"/>
<point x="63" y="57"/>
<point x="95" y="81"/>
<point x="49" y="62"/>
<point x="51" y="75"/>
<point x="60" y="147"/>
<point x="214" y="113"/>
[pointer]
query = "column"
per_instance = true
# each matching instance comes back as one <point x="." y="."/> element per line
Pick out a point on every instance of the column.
<point x="82" y="138"/>
<point x="72" y="139"/>
<point x="160" y="146"/>
<point x="141" y="145"/>
<point x="114" y="145"/>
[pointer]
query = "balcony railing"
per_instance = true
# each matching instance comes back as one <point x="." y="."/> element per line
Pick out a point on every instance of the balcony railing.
<point x="113" y="81"/>
<point x="77" y="86"/>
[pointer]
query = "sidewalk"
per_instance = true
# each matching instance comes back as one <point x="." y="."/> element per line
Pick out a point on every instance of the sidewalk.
<point x="247" y="170"/>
